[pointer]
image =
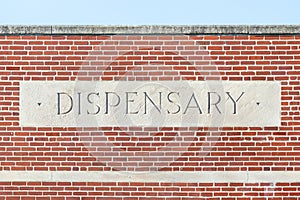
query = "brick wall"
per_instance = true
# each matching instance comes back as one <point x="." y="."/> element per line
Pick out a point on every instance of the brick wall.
<point x="67" y="57"/>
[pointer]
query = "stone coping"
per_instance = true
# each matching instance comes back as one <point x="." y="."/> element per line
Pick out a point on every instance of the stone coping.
<point x="149" y="29"/>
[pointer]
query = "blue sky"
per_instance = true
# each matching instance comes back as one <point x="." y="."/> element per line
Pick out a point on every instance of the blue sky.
<point x="139" y="12"/>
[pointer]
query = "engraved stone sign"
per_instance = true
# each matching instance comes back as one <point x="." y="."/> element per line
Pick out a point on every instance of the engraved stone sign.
<point x="146" y="103"/>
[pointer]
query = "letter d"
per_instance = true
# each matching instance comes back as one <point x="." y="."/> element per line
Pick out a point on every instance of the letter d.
<point x="59" y="112"/>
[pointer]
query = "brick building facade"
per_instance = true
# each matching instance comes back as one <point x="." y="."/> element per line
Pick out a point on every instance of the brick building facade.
<point x="223" y="162"/>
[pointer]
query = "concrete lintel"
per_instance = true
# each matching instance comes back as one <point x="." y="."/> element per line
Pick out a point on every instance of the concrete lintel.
<point x="188" y="177"/>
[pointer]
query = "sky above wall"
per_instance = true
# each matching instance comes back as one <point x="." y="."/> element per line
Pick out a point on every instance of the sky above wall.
<point x="139" y="12"/>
